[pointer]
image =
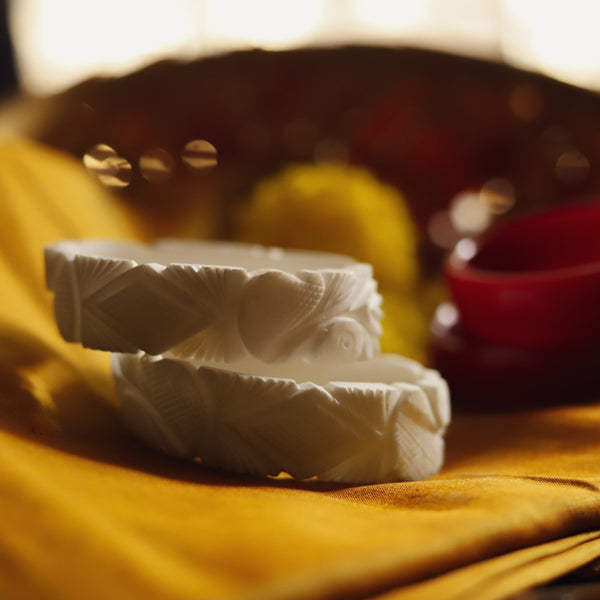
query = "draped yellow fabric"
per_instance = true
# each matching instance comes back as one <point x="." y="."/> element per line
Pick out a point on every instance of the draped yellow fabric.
<point x="88" y="512"/>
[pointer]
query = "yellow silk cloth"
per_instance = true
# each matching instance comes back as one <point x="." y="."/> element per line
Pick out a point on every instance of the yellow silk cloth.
<point x="89" y="512"/>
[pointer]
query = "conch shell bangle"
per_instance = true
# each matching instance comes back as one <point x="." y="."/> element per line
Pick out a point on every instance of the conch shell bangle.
<point x="373" y="421"/>
<point x="252" y="359"/>
<point x="216" y="301"/>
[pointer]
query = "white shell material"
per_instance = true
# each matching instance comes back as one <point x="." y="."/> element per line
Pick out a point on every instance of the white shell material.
<point x="216" y="301"/>
<point x="373" y="421"/>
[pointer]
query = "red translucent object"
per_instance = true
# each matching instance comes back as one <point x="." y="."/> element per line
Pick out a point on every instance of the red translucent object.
<point x="487" y="377"/>
<point x="533" y="283"/>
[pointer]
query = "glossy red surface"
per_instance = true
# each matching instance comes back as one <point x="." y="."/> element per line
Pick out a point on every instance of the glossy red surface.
<point x="533" y="283"/>
<point x="488" y="377"/>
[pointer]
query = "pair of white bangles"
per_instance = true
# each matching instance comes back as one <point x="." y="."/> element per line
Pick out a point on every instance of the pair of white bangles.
<point x="252" y="359"/>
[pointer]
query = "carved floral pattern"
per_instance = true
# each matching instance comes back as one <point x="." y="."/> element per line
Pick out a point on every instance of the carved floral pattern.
<point x="214" y="313"/>
<point x="342" y="431"/>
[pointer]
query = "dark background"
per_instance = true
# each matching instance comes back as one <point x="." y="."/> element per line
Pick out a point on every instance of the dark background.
<point x="8" y="73"/>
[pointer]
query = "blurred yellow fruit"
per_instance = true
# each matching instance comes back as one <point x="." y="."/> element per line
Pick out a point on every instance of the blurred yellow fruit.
<point x="344" y="209"/>
<point x="335" y="208"/>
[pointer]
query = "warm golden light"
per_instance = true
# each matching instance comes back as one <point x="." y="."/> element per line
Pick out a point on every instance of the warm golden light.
<point x="59" y="42"/>
<point x="199" y="155"/>
<point x="392" y="17"/>
<point x="559" y="38"/>
<point x="269" y="24"/>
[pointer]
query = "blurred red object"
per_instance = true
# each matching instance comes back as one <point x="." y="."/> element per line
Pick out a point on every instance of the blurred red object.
<point x="430" y="123"/>
<point x="533" y="283"/>
<point x="489" y="377"/>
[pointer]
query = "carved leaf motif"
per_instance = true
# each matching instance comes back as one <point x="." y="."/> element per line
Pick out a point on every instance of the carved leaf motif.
<point x="273" y="304"/>
<point x="172" y="389"/>
<point x="366" y="410"/>
<point x="420" y="443"/>
<point x="140" y="306"/>
<point x="438" y="394"/>
<point x="215" y="294"/>
<point x="139" y="415"/>
<point x="213" y="289"/>
<point x="55" y="264"/>
<point x="93" y="276"/>
<point x="60" y="277"/>
<point x="245" y="409"/>
<point x="339" y="293"/>
<point x="351" y="432"/>
<point x="74" y="279"/>
<point x="418" y="407"/>
<point x="282" y="316"/>
<point x="93" y="273"/>
<point x="210" y="313"/>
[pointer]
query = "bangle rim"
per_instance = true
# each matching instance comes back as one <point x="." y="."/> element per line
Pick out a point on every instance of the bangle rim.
<point x="214" y="311"/>
<point x="346" y="431"/>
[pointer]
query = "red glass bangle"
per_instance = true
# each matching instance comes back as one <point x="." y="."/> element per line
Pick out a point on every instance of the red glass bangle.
<point x="488" y="377"/>
<point x="533" y="283"/>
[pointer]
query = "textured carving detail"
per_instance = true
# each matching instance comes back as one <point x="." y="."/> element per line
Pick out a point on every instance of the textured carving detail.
<point x="330" y="314"/>
<point x="216" y="293"/>
<point x="340" y="431"/>
<point x="126" y="298"/>
<point x="58" y="278"/>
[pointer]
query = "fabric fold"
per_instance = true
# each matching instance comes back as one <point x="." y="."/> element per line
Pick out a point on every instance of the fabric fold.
<point x="90" y="511"/>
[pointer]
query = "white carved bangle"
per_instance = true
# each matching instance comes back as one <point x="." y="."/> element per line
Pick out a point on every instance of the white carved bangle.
<point x="216" y="301"/>
<point x="302" y="419"/>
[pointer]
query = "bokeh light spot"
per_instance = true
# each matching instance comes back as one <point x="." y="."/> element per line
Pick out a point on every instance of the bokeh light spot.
<point x="466" y="249"/>
<point x="498" y="194"/>
<point x="572" y="167"/>
<point x="469" y="214"/>
<point x="96" y="155"/>
<point x="157" y="165"/>
<point x="112" y="170"/>
<point x="117" y="172"/>
<point x="199" y="155"/>
<point x="446" y="314"/>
